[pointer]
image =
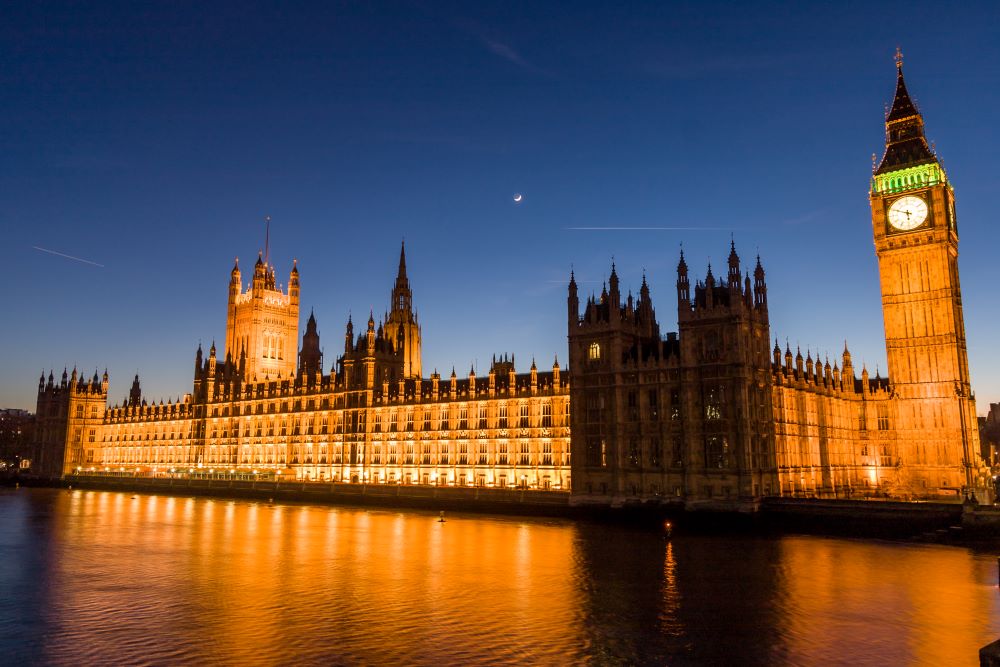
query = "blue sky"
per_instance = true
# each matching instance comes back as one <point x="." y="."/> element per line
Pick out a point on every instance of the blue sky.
<point x="153" y="140"/>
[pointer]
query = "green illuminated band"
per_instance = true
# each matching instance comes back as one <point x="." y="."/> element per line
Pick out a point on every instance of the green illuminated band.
<point x="911" y="178"/>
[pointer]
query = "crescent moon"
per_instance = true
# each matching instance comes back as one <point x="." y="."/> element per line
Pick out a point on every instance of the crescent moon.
<point x="518" y="197"/>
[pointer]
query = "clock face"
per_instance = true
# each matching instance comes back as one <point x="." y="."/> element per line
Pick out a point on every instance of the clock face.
<point x="907" y="213"/>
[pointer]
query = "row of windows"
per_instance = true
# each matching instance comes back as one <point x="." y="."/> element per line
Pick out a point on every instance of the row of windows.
<point x="462" y="454"/>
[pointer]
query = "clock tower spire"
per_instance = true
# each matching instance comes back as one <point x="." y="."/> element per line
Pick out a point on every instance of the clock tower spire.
<point x="916" y="241"/>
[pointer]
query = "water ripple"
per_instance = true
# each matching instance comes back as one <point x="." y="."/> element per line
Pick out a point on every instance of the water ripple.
<point x="106" y="578"/>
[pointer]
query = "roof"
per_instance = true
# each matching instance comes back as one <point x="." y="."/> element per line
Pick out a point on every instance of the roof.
<point x="905" y="143"/>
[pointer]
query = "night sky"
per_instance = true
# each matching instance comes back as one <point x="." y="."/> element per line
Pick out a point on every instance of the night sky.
<point x="151" y="141"/>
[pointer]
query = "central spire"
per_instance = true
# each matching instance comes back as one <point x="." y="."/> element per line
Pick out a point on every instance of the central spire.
<point x="402" y="262"/>
<point x="402" y="298"/>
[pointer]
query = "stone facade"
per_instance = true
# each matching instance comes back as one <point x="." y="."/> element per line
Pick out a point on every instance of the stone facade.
<point x="371" y="419"/>
<point x="705" y="415"/>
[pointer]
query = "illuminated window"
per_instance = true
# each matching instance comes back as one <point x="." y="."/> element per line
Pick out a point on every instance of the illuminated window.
<point x="714" y="399"/>
<point x="523" y="416"/>
<point x="546" y="414"/>
<point x="595" y="351"/>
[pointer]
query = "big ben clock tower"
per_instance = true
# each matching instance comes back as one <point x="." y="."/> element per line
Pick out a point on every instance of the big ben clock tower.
<point x="916" y="240"/>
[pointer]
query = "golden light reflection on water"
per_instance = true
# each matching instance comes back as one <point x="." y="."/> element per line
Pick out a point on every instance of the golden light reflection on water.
<point x="941" y="601"/>
<point x="123" y="578"/>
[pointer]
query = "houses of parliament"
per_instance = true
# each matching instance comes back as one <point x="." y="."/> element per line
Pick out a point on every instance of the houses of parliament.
<point x="714" y="413"/>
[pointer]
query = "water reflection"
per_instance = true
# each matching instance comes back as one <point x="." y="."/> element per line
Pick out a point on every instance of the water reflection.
<point x="93" y="577"/>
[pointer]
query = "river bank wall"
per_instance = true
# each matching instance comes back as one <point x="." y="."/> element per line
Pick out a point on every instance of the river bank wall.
<point x="940" y="522"/>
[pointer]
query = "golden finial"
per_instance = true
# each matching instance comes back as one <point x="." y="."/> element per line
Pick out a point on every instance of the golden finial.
<point x="899" y="58"/>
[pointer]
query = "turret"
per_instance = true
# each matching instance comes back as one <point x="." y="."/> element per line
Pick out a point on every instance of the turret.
<point x="614" y="293"/>
<point x="733" y="279"/>
<point x="759" y="286"/>
<point x="135" y="393"/>
<point x="683" y="286"/>
<point x="572" y="302"/>
<point x="848" y="371"/>
<point x="235" y="288"/>
<point x="259" y="273"/>
<point x="293" y="283"/>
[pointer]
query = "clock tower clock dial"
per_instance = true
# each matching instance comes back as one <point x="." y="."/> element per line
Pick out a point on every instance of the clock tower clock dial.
<point x="916" y="241"/>
<point x="907" y="213"/>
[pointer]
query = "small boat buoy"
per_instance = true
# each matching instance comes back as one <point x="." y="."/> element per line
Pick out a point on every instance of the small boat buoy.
<point x="441" y="517"/>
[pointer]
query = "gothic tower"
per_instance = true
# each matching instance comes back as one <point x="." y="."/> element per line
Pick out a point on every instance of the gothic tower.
<point x="916" y="241"/>
<point x="263" y="322"/>
<point x="401" y="324"/>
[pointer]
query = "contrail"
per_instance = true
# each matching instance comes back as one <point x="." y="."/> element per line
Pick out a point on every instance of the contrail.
<point x="646" y="229"/>
<point x="59" y="254"/>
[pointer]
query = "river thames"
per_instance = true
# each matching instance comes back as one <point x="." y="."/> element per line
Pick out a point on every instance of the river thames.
<point x="93" y="577"/>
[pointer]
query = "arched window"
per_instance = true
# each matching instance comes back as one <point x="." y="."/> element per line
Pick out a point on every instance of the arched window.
<point x="595" y="351"/>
